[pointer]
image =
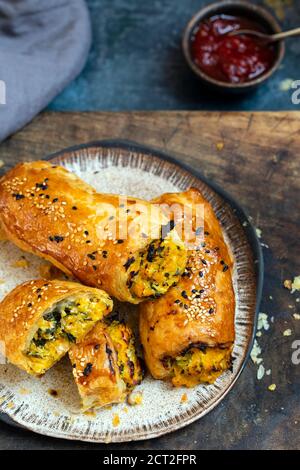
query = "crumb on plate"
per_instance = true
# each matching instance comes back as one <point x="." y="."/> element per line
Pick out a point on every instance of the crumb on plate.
<point x="287" y="332"/>
<point x="21" y="263"/>
<point x="116" y="420"/>
<point x="272" y="387"/>
<point x="184" y="398"/>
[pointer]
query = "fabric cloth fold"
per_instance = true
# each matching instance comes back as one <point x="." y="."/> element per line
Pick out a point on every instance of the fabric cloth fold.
<point x="44" y="45"/>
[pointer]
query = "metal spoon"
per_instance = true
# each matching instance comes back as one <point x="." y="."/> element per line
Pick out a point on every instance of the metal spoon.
<point x="268" y="38"/>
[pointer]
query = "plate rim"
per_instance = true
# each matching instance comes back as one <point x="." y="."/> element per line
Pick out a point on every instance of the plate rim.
<point x="252" y="239"/>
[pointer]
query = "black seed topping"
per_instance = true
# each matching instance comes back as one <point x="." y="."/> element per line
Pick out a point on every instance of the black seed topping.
<point x="88" y="369"/>
<point x="86" y="232"/>
<point x="184" y="294"/>
<point x="204" y="261"/>
<point x="55" y="199"/>
<point x="91" y="256"/>
<point x="74" y="208"/>
<point x="94" y="267"/>
<point x="120" y="241"/>
<point x="225" y="268"/>
<point x="56" y="238"/>
<point x="211" y="310"/>
<point x="18" y="196"/>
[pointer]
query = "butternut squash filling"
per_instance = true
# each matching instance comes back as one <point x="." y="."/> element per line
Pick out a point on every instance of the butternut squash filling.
<point x="199" y="365"/>
<point x="156" y="269"/>
<point x="68" y="322"/>
<point x="124" y="344"/>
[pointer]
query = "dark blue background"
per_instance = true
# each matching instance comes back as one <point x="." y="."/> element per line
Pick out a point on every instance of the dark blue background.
<point x="136" y="62"/>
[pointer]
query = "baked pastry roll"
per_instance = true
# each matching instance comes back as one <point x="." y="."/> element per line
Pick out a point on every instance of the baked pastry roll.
<point x="40" y="321"/>
<point x="121" y="245"/>
<point x="105" y="365"/>
<point x="188" y="334"/>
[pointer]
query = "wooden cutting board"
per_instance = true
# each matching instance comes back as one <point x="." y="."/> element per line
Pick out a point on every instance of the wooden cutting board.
<point x="256" y="158"/>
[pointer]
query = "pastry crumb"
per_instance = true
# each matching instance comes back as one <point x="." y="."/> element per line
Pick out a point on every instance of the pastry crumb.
<point x="220" y="146"/>
<point x="256" y="351"/>
<point x="296" y="284"/>
<point x="135" y="399"/>
<point x="296" y="316"/>
<point x="21" y="263"/>
<point x="287" y="332"/>
<point x="258" y="232"/>
<point x="263" y="323"/>
<point x="272" y="387"/>
<point x="288" y="284"/>
<point x="1" y="163"/>
<point x="24" y="391"/>
<point x="260" y="372"/>
<point x="184" y="398"/>
<point x="286" y="84"/>
<point x="116" y="420"/>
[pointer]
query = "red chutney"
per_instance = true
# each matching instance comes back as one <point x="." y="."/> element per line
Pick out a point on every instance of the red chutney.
<point x="233" y="59"/>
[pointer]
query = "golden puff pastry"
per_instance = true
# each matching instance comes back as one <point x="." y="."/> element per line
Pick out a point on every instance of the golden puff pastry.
<point x="41" y="320"/>
<point x="188" y="334"/>
<point x="105" y="365"/>
<point x="102" y="240"/>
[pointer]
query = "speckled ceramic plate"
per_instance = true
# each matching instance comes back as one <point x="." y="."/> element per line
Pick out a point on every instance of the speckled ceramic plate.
<point x="128" y="168"/>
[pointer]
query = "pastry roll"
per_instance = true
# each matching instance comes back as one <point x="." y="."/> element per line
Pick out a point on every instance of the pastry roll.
<point x="188" y="334"/>
<point x="40" y="321"/>
<point x="105" y="365"/>
<point x="119" y="244"/>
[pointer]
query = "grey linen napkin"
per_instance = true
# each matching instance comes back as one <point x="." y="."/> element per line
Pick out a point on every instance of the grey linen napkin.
<point x="43" y="46"/>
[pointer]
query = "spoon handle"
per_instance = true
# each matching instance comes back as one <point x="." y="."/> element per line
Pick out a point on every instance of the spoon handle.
<point x="285" y="34"/>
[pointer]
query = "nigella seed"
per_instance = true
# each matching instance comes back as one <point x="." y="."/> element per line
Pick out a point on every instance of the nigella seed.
<point x="204" y="261"/>
<point x="201" y="274"/>
<point x="29" y="305"/>
<point x="56" y="238"/>
<point x="18" y="197"/>
<point x="94" y="267"/>
<point x="91" y="256"/>
<point x="225" y="268"/>
<point x="74" y="208"/>
<point x="177" y="301"/>
<point x="120" y="241"/>
<point x="88" y="369"/>
<point x="55" y="199"/>
<point x="222" y="262"/>
<point x="86" y="232"/>
<point x="184" y="294"/>
<point x="210" y="311"/>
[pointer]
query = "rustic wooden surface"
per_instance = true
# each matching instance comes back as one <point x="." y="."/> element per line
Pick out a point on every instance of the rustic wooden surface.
<point x="255" y="157"/>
